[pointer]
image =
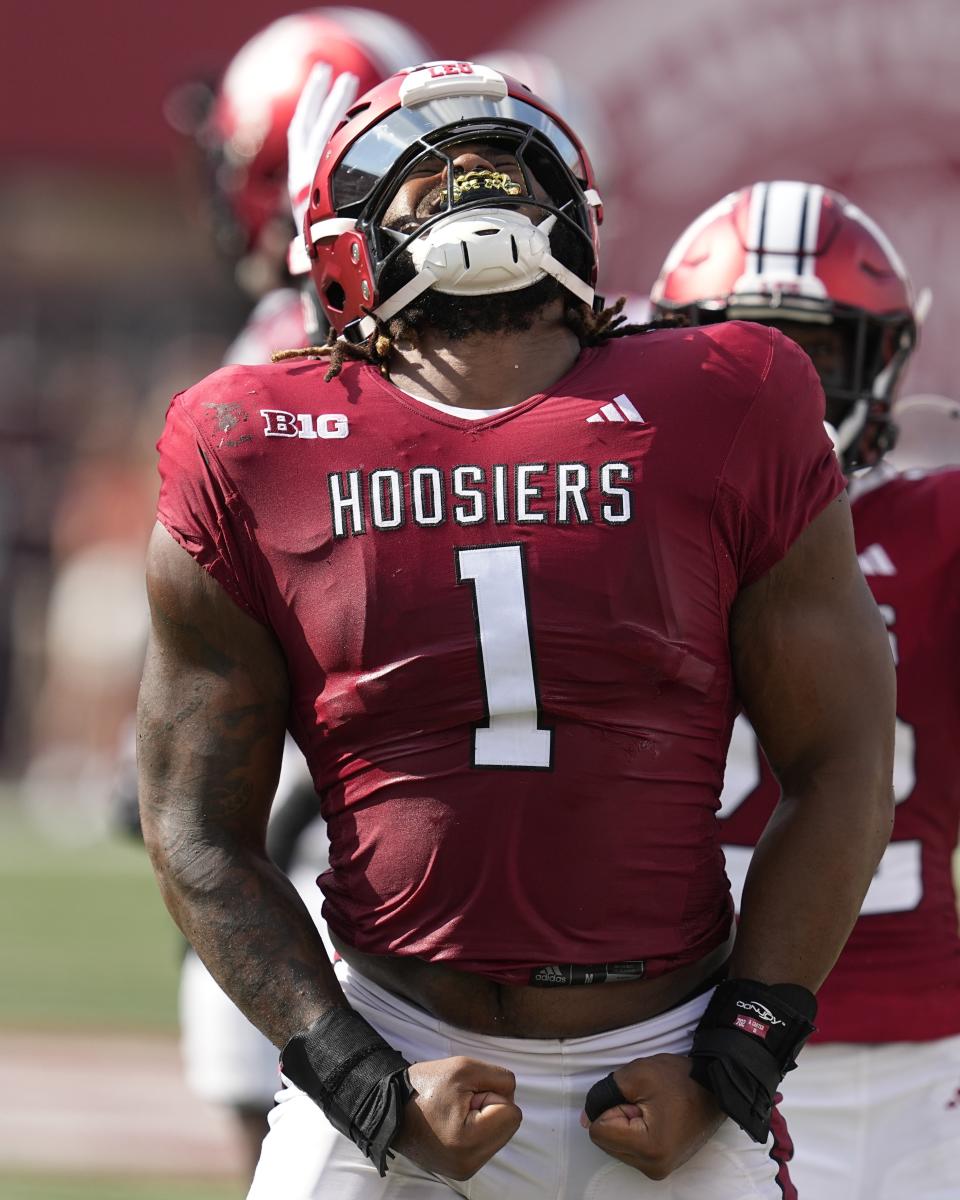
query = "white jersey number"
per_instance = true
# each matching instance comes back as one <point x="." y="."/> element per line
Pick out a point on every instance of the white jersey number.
<point x="511" y="735"/>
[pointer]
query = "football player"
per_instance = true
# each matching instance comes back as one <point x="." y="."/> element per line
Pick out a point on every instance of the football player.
<point x="511" y="648"/>
<point x="875" y="1112"/>
<point x="240" y="131"/>
<point x="243" y="139"/>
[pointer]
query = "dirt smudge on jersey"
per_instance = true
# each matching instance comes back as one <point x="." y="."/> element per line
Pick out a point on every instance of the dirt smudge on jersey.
<point x="228" y="416"/>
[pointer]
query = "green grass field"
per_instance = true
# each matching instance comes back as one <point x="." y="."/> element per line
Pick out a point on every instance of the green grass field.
<point x="87" y="941"/>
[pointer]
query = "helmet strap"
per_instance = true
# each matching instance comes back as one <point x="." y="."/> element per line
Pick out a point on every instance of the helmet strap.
<point x="480" y="252"/>
<point x="846" y="433"/>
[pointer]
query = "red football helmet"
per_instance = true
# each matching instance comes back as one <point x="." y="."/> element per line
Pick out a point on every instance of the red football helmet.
<point x="799" y="256"/>
<point x="244" y="132"/>
<point x="467" y="247"/>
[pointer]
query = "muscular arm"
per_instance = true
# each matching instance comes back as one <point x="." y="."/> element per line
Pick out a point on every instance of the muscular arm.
<point x="815" y="674"/>
<point x="816" y="678"/>
<point x="211" y="720"/>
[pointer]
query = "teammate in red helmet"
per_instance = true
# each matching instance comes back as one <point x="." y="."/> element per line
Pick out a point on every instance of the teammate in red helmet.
<point x="332" y="54"/>
<point x="507" y="576"/>
<point x="875" y="1112"/>
<point x="244" y="131"/>
<point x="804" y="258"/>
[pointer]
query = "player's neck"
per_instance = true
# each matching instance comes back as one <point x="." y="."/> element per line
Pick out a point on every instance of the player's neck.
<point x="487" y="370"/>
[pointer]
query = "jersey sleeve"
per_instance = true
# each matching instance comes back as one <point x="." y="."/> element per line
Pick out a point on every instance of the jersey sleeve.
<point x="199" y="507"/>
<point x="781" y="471"/>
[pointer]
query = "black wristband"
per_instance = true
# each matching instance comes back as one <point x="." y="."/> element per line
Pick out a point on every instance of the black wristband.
<point x="357" y="1078"/>
<point x="748" y="1038"/>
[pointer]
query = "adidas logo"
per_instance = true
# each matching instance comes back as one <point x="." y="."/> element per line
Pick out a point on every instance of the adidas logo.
<point x="547" y="976"/>
<point x="876" y="561"/>
<point x="620" y="408"/>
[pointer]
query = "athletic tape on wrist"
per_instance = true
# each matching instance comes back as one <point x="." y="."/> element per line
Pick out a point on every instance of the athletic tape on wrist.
<point x="604" y="1094"/>
<point x="748" y="1038"/>
<point x="357" y="1078"/>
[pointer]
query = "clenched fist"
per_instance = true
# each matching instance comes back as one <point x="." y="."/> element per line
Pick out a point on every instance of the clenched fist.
<point x="667" y="1119"/>
<point x="461" y="1115"/>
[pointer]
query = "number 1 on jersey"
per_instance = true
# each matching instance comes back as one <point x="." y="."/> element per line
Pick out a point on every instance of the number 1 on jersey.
<point x="511" y="736"/>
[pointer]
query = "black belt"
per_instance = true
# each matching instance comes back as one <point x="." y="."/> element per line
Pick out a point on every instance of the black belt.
<point x="578" y="974"/>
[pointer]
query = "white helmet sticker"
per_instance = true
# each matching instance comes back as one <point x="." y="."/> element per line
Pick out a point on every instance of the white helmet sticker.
<point x="439" y="79"/>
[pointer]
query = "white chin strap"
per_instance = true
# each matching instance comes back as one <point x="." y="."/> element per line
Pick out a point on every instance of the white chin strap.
<point x="844" y="435"/>
<point x="481" y="253"/>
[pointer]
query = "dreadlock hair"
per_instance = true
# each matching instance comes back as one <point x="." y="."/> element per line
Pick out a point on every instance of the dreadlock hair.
<point x="591" y="328"/>
<point x="595" y="328"/>
<point x="376" y="349"/>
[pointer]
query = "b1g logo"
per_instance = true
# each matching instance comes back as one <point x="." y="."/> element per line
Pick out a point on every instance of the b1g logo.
<point x="279" y="423"/>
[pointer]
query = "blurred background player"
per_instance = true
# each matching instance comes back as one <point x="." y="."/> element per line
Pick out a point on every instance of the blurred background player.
<point x="241" y="132"/>
<point x="876" y="1110"/>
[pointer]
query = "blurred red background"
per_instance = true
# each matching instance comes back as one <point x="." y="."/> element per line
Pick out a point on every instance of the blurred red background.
<point x="87" y="81"/>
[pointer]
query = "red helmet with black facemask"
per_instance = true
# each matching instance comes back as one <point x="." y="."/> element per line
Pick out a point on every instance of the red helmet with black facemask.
<point x="468" y="246"/>
<point x="803" y="258"/>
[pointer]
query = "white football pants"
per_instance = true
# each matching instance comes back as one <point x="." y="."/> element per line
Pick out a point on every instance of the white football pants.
<point x="876" y="1122"/>
<point x="549" y="1158"/>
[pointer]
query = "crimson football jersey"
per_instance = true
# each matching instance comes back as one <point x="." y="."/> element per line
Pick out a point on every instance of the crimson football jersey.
<point x="898" y="979"/>
<point x="507" y="638"/>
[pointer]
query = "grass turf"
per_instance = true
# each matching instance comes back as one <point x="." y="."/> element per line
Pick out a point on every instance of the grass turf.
<point x="87" y="941"/>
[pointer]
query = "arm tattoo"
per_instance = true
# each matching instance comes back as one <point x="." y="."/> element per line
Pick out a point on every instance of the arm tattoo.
<point x="211" y="720"/>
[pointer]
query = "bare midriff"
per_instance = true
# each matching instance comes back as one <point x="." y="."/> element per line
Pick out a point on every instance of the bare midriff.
<point x="482" y="1005"/>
